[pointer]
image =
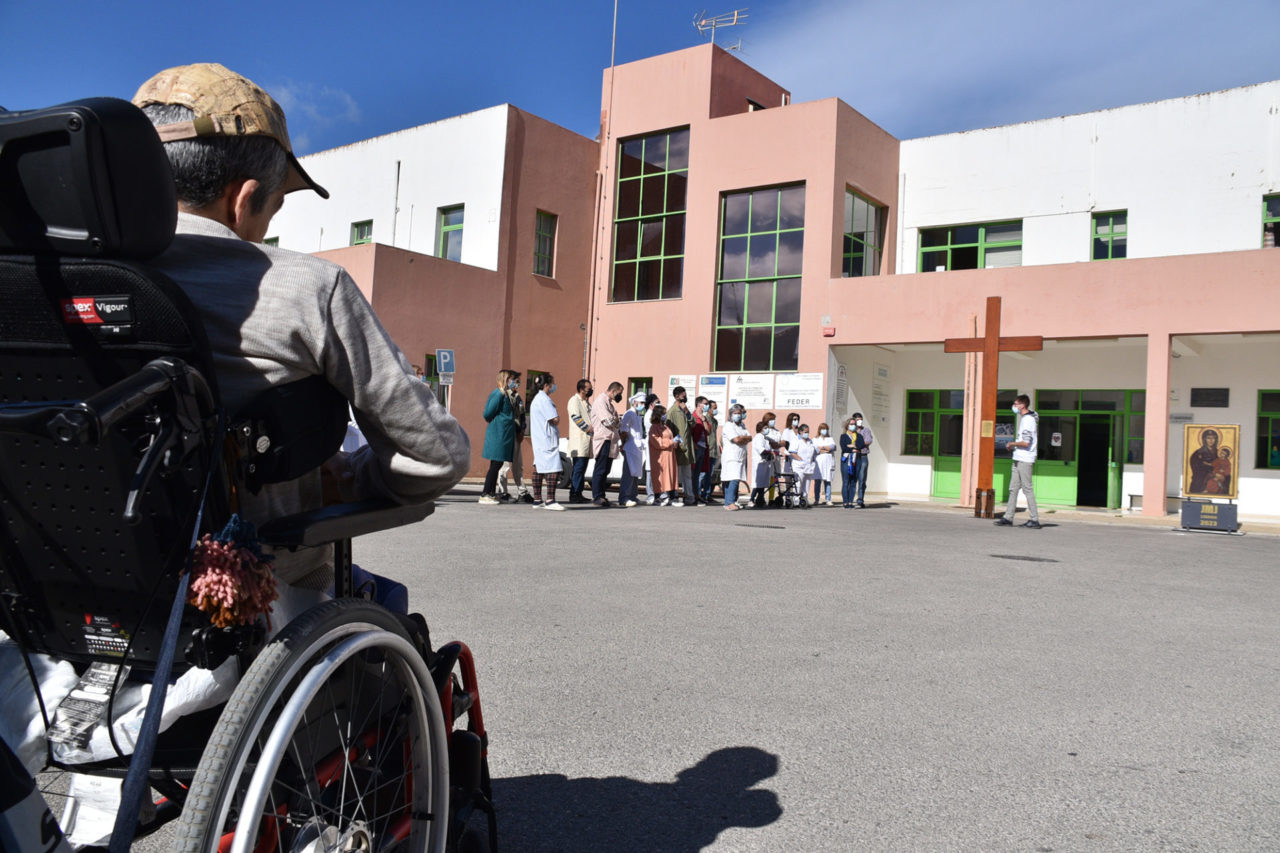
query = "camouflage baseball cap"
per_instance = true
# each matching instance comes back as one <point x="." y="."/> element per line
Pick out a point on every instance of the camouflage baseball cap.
<point x="225" y="104"/>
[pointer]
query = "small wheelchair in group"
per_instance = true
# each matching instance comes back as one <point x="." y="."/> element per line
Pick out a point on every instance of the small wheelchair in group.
<point x="346" y="730"/>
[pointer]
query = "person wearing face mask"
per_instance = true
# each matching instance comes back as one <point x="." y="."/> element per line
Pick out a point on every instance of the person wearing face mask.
<point x="701" y="456"/>
<point x="681" y="421"/>
<point x="651" y="494"/>
<point x="761" y="466"/>
<point x="733" y="458"/>
<point x="544" y="438"/>
<point x="1024" y="460"/>
<point x="604" y="440"/>
<point x="774" y="439"/>
<point x="862" y="453"/>
<point x="579" y="439"/>
<point x="662" y="455"/>
<point x="790" y="438"/>
<point x="802" y="462"/>
<point x="824" y="464"/>
<point x="849" y="442"/>
<point x="634" y="437"/>
<point x="500" y="434"/>
<point x="713" y="447"/>
<point x="514" y="470"/>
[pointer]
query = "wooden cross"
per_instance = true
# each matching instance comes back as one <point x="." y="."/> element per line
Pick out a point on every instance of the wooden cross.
<point x="990" y="345"/>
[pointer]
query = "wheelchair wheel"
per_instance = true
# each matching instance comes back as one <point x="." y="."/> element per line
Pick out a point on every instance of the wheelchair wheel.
<point x="333" y="740"/>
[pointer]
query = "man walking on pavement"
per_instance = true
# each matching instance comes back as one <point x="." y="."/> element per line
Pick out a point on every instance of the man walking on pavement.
<point x="1024" y="458"/>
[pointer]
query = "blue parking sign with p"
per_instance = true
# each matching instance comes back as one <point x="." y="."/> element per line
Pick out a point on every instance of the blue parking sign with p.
<point x="444" y="361"/>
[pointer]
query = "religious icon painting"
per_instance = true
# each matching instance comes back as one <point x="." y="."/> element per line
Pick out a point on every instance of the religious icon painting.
<point x="1210" y="464"/>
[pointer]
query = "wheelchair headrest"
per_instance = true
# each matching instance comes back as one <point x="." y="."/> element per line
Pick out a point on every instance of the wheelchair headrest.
<point x="88" y="179"/>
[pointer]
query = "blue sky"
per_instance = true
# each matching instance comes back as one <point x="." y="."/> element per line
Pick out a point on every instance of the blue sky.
<point x="345" y="72"/>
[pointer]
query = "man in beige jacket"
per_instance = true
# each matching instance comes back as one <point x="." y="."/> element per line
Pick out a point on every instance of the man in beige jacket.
<point x="579" y="439"/>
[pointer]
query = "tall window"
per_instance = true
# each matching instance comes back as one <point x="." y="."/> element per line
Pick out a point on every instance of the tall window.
<point x="545" y="245"/>
<point x="361" y="232"/>
<point x="449" y="241"/>
<point x="758" y="299"/>
<point x="971" y="247"/>
<point x="1268" y="430"/>
<point x="1270" y="221"/>
<point x="863" y="235"/>
<point x="648" y="225"/>
<point x="1110" y="235"/>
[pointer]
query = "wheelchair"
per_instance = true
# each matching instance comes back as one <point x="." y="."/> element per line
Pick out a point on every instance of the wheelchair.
<point x="346" y="730"/>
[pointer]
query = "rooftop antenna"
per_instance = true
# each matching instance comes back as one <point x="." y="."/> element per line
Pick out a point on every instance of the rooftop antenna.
<point x="703" y="22"/>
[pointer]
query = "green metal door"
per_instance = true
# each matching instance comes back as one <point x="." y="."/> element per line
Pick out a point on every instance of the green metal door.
<point x="1115" y="467"/>
<point x="946" y="477"/>
<point x="1055" y="473"/>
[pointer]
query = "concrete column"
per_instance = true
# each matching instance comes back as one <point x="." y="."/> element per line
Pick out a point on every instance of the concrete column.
<point x="1155" y="459"/>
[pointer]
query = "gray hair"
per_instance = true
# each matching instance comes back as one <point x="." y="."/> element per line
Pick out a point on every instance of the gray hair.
<point x="202" y="168"/>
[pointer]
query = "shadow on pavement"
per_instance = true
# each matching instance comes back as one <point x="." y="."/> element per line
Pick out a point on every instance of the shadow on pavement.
<point x="551" y="812"/>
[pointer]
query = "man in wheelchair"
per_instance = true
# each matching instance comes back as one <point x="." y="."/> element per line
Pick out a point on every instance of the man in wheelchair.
<point x="176" y="366"/>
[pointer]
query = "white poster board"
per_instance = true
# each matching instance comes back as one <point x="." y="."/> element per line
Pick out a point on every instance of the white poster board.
<point x="716" y="389"/>
<point x="799" y="391"/>
<point x="687" y="381"/>
<point x="880" y="394"/>
<point x="753" y="390"/>
<point x="842" y="393"/>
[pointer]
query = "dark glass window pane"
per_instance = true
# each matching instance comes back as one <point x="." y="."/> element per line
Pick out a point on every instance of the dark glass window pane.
<point x="626" y="241"/>
<point x="926" y="444"/>
<point x="1057" y="401"/>
<point x="653" y="201"/>
<point x="926" y="421"/>
<point x="1134" y="455"/>
<point x="933" y="237"/>
<point x="1119" y="248"/>
<point x="678" y="150"/>
<point x="1105" y="401"/>
<point x="1120" y="222"/>
<point x="920" y="399"/>
<point x="736" y="210"/>
<point x="964" y="234"/>
<point x="649" y="282"/>
<point x="756" y="351"/>
<point x="733" y="258"/>
<point x="1004" y="399"/>
<point x="673" y="242"/>
<point x="950" y="434"/>
<point x="763" y="256"/>
<point x="760" y="302"/>
<point x="452" y="216"/>
<point x="848" y="244"/>
<point x="453" y="245"/>
<point x="1138" y="401"/>
<point x="951" y="399"/>
<point x="624" y="282"/>
<point x="677" y="187"/>
<point x="1100" y="249"/>
<point x="913" y="421"/>
<point x="786" y="348"/>
<point x="651" y="239"/>
<point x="1137" y="426"/>
<point x="788" y="301"/>
<point x="791" y="208"/>
<point x="631" y="151"/>
<point x="851" y="266"/>
<point x="1049" y="424"/>
<point x="728" y="350"/>
<point x="655" y="153"/>
<point x="628" y="199"/>
<point x="964" y="258"/>
<point x="1268" y="401"/>
<point x="911" y="445"/>
<point x="790" y="250"/>
<point x="764" y="210"/>
<point x="732" y="302"/>
<point x="931" y="261"/>
<point x="672" y="278"/>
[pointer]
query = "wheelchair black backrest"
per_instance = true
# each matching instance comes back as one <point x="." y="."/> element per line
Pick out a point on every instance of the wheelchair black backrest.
<point x="86" y="195"/>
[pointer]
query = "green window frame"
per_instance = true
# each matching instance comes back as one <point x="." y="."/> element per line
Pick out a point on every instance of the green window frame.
<point x="864" y="222"/>
<point x="271" y="241"/>
<point x="1270" y="220"/>
<point x="986" y="245"/>
<point x="544" y="246"/>
<point x="449" y="236"/>
<point x="758" y="289"/>
<point x="934" y="424"/>
<point x="636" y="384"/>
<point x="1130" y="405"/>
<point x="1268" y="454"/>
<point x="1110" y="235"/>
<point x="649" y="217"/>
<point x="361" y="232"/>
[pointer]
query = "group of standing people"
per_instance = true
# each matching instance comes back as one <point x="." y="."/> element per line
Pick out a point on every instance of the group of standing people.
<point x="681" y="451"/>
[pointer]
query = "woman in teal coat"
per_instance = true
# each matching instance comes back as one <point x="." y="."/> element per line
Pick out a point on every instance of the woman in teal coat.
<point x="500" y="434"/>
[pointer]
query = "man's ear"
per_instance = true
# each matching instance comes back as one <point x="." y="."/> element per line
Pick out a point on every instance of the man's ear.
<point x="238" y="196"/>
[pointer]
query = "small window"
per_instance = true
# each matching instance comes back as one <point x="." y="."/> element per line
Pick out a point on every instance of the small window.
<point x="752" y="106"/>
<point x="545" y="245"/>
<point x="1270" y="220"/>
<point x="271" y="241"/>
<point x="863" y="235"/>
<point x="1110" y="235"/>
<point x="638" y="385"/>
<point x="1268" y="430"/>
<point x="971" y="247"/>
<point x="361" y="232"/>
<point x="449" y="243"/>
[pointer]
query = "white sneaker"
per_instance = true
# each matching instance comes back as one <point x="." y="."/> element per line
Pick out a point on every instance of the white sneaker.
<point x="650" y="501"/>
<point x="488" y="500"/>
<point x="678" y="502"/>
<point x="630" y="504"/>
<point x="553" y="506"/>
<point x="538" y="504"/>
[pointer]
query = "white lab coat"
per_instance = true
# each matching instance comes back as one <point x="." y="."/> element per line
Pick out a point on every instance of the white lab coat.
<point x="636" y="445"/>
<point x="544" y="435"/>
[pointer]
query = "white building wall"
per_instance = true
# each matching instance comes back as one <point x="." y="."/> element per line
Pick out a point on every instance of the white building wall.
<point x="455" y="161"/>
<point x="1190" y="171"/>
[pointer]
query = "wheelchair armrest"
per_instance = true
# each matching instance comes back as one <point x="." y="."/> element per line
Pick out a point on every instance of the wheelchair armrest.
<point x="341" y="521"/>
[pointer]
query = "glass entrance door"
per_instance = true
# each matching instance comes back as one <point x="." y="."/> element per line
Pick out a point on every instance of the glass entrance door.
<point x="1056" y="464"/>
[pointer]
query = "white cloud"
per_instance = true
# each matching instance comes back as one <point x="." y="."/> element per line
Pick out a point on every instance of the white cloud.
<point x="308" y="107"/>
<point x="933" y="66"/>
